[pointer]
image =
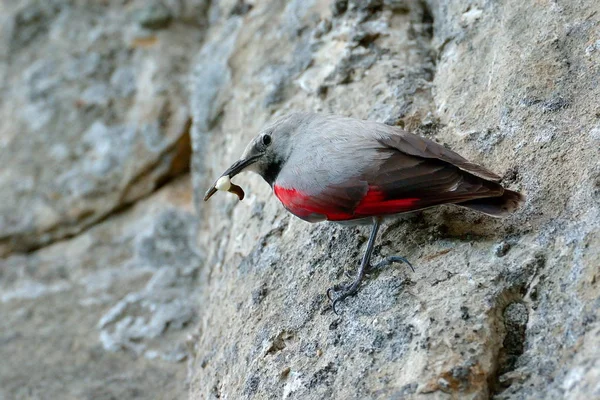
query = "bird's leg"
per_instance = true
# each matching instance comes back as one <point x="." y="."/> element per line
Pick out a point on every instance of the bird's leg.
<point x="350" y="289"/>
<point x="389" y="260"/>
<point x="365" y="266"/>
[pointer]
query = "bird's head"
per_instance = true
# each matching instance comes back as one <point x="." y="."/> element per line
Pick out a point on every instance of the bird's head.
<point x="267" y="153"/>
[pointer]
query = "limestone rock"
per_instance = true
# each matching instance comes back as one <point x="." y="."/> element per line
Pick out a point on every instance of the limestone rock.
<point x="106" y="314"/>
<point x="105" y="293"/>
<point x="93" y="114"/>
<point x="504" y="308"/>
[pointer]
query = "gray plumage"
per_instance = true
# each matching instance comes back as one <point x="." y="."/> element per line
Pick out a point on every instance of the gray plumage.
<point x="326" y="167"/>
<point x="335" y="161"/>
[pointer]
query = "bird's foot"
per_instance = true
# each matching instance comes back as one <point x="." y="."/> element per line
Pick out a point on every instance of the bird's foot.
<point x="390" y="260"/>
<point x="344" y="291"/>
<point x="352" y="288"/>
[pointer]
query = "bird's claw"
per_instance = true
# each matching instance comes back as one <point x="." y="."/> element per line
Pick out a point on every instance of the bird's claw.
<point x="335" y="288"/>
<point x="390" y="260"/>
<point x="331" y="289"/>
<point x="348" y="290"/>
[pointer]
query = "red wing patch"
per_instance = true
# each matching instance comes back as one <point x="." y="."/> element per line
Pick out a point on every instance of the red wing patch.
<point x="308" y="208"/>
<point x="373" y="204"/>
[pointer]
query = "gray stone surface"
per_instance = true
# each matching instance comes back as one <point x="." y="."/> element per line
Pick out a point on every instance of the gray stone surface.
<point x="105" y="315"/>
<point x="97" y="298"/>
<point x="496" y="308"/>
<point x="93" y="109"/>
<point x="112" y="289"/>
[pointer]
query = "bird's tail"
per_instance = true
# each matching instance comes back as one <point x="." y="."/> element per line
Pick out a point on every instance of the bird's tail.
<point x="497" y="206"/>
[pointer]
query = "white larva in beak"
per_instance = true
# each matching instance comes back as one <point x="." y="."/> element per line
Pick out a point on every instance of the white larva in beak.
<point x="223" y="183"/>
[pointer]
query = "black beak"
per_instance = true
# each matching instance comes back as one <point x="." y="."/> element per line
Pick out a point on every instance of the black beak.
<point x="232" y="171"/>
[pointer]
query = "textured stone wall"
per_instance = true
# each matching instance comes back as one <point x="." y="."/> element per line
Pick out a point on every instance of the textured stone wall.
<point x="94" y="111"/>
<point x="117" y="281"/>
<point x="505" y="308"/>
<point x="98" y="273"/>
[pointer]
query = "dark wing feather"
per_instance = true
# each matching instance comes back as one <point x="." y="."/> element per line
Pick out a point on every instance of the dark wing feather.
<point x="430" y="180"/>
<point x="395" y="183"/>
<point x="399" y="172"/>
<point x="418" y="146"/>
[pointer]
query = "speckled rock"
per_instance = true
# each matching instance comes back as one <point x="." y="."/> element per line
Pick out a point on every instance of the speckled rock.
<point x="97" y="294"/>
<point x="106" y="314"/>
<point x="94" y="112"/>
<point x="496" y="308"/>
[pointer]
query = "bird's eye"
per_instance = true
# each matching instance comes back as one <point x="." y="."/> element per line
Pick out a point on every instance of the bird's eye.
<point x="266" y="140"/>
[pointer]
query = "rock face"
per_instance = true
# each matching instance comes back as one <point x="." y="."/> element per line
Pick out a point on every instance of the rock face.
<point x="94" y="112"/>
<point x="114" y="280"/>
<point x="105" y="314"/>
<point x="496" y="308"/>
<point x="93" y="117"/>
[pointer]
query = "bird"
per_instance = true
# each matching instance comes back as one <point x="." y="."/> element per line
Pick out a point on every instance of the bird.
<point x="334" y="168"/>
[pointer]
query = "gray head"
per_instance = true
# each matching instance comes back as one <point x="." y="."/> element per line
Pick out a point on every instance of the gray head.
<point x="267" y="153"/>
